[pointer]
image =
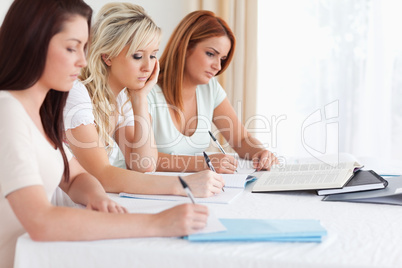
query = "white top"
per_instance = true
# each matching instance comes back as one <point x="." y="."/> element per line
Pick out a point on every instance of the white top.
<point x="26" y="159"/>
<point x="78" y="111"/>
<point x="171" y="141"/>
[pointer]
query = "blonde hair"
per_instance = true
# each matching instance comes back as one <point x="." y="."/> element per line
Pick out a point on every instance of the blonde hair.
<point x="116" y="26"/>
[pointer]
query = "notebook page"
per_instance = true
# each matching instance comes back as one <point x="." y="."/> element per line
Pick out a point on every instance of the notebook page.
<point x="153" y="206"/>
<point x="271" y="181"/>
<point x="236" y="180"/>
<point x="222" y="198"/>
<point x="312" y="167"/>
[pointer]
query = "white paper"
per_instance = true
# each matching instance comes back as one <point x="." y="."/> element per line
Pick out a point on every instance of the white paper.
<point x="237" y="180"/>
<point x="156" y="206"/>
<point x="222" y="198"/>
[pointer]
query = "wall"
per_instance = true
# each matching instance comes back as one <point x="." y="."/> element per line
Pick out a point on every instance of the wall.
<point x="166" y="13"/>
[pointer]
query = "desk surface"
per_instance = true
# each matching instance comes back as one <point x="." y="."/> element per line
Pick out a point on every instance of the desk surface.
<point x="359" y="235"/>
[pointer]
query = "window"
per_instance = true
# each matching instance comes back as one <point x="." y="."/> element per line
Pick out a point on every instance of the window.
<point x="330" y="77"/>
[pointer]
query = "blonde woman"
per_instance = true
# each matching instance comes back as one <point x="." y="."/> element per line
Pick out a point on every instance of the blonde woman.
<point x="106" y="116"/>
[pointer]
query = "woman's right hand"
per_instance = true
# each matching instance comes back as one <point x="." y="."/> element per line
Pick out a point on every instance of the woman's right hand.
<point x="181" y="220"/>
<point x="204" y="183"/>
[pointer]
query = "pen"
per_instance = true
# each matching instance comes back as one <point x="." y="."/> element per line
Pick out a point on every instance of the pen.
<point x="187" y="189"/>
<point x="211" y="167"/>
<point x="216" y="142"/>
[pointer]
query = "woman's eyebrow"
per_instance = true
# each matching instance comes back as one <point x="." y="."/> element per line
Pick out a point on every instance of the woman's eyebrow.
<point x="216" y="51"/>
<point x="74" y="39"/>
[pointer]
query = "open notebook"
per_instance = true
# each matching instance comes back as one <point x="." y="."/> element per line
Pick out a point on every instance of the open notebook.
<point x="309" y="174"/>
<point x="234" y="186"/>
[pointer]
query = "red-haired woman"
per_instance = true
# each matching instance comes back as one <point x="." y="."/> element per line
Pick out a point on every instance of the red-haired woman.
<point x="188" y="98"/>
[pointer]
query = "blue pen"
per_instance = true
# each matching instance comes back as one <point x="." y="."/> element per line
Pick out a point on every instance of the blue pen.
<point x="187" y="189"/>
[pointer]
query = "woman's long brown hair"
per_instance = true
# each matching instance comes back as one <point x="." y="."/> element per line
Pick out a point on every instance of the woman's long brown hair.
<point x="24" y="40"/>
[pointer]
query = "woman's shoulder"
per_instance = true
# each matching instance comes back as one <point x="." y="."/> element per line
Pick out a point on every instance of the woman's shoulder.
<point x="6" y="100"/>
<point x="78" y="95"/>
<point x="9" y="105"/>
<point x="156" y="94"/>
<point x="13" y="115"/>
<point x="79" y="89"/>
<point x="78" y="108"/>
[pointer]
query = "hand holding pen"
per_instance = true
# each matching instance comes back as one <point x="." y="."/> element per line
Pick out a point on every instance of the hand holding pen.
<point x="208" y="161"/>
<point x="229" y="161"/>
<point x="187" y="190"/>
<point x="209" y="164"/>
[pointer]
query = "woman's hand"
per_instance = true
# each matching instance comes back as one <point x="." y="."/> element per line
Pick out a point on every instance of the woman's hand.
<point x="181" y="220"/>
<point x="223" y="163"/>
<point x="102" y="203"/>
<point x="263" y="160"/>
<point x="205" y="183"/>
<point x="149" y="84"/>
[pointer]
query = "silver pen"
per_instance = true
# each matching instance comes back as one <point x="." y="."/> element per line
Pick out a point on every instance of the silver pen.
<point x="209" y="164"/>
<point x="187" y="189"/>
<point x="216" y="142"/>
<point x="208" y="161"/>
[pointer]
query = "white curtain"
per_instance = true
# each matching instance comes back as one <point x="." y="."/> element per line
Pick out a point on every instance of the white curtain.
<point x="330" y="77"/>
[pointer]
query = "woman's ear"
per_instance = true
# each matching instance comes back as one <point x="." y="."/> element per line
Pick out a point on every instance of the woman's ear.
<point x="106" y="59"/>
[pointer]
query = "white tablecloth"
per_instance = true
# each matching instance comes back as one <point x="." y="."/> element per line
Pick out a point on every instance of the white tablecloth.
<point x="359" y="235"/>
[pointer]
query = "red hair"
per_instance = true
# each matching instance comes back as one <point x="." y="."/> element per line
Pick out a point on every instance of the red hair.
<point x="194" y="28"/>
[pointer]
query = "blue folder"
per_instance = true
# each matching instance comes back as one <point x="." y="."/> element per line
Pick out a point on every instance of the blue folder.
<point x="253" y="230"/>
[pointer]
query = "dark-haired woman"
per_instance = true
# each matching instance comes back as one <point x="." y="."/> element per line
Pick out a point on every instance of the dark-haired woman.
<point x="42" y="54"/>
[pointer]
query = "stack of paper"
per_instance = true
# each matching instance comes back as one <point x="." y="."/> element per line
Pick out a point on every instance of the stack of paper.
<point x="265" y="230"/>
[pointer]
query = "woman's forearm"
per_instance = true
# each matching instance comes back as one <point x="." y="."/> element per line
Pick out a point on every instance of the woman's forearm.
<point x="141" y="149"/>
<point x="248" y="147"/>
<point x="82" y="188"/>
<point x="180" y="163"/>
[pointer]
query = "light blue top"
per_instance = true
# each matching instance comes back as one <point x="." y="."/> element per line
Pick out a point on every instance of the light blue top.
<point x="168" y="139"/>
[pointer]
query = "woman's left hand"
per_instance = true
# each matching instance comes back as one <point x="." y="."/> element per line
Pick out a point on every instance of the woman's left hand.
<point x="149" y="84"/>
<point x="264" y="159"/>
<point x="103" y="203"/>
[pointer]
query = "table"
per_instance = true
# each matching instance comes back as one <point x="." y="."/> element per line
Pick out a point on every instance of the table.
<point x="359" y="235"/>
